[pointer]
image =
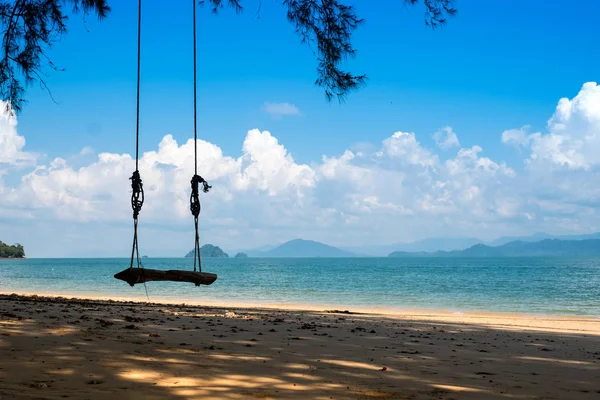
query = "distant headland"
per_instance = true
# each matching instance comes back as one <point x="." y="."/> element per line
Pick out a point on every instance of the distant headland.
<point x="209" y="250"/>
<point x="542" y="248"/>
<point x="536" y="245"/>
<point x="14" y="251"/>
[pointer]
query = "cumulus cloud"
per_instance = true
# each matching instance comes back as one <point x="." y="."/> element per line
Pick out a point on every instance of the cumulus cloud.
<point x="11" y="144"/>
<point x="395" y="190"/>
<point x="517" y="137"/>
<point x="406" y="149"/>
<point x="572" y="139"/>
<point x="281" y="109"/>
<point x="445" y="138"/>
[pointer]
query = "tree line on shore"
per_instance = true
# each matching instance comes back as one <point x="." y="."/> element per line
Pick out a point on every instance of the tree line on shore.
<point x="11" y="251"/>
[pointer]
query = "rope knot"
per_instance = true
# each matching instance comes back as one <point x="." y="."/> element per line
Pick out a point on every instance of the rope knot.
<point x="137" y="194"/>
<point x="194" y="197"/>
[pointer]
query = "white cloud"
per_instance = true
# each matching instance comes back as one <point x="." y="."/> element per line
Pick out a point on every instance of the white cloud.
<point x="517" y="137"/>
<point x="405" y="148"/>
<point x="445" y="138"/>
<point x="86" y="151"/>
<point x="573" y="136"/>
<point x="396" y="190"/>
<point x="281" y="109"/>
<point x="11" y="144"/>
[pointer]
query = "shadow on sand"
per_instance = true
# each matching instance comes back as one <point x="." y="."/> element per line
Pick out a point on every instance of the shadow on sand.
<point x="59" y="348"/>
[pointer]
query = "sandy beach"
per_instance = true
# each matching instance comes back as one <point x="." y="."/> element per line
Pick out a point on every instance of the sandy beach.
<point x="56" y="348"/>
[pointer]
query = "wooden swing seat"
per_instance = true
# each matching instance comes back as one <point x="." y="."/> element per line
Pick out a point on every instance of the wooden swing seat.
<point x="141" y="275"/>
<point x="135" y="275"/>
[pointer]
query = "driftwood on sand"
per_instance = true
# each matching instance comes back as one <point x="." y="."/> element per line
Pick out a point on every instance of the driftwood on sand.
<point x="140" y="275"/>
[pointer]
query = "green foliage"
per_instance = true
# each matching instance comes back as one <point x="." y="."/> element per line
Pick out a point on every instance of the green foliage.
<point x="14" y="251"/>
<point x="326" y="26"/>
<point x="208" y="250"/>
<point x="30" y="27"/>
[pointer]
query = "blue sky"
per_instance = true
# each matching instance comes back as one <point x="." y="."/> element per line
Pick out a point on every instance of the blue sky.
<point x="496" y="66"/>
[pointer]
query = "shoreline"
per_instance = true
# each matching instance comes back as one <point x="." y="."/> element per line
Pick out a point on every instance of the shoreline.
<point x="304" y="306"/>
<point x="455" y="288"/>
<point x="536" y="321"/>
<point x="56" y="347"/>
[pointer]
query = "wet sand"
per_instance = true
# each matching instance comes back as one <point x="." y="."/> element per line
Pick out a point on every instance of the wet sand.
<point x="56" y="348"/>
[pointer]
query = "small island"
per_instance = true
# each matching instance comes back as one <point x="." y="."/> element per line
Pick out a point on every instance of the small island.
<point x="208" y="250"/>
<point x="11" y="251"/>
<point x="241" y="255"/>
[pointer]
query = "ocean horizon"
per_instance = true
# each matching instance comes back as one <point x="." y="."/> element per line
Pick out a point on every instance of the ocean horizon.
<point x="532" y="285"/>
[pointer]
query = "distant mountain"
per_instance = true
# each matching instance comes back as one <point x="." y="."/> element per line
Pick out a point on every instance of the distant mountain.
<point x="412" y="249"/>
<point x="208" y="250"/>
<point x="546" y="247"/>
<point x="424" y="245"/>
<point x="306" y="248"/>
<point x="241" y="255"/>
<point x="265" y="247"/>
<point x="256" y="251"/>
<point x="536" y="237"/>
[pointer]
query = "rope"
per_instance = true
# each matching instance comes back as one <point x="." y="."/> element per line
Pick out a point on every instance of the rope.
<point x="137" y="124"/>
<point x="196" y="179"/>
<point x="137" y="188"/>
<point x="195" y="209"/>
<point x="195" y="85"/>
<point x="137" y="201"/>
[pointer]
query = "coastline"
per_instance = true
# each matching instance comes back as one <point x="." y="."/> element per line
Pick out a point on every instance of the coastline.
<point x="304" y="307"/>
<point x="523" y="288"/>
<point x="54" y="347"/>
<point x="532" y="321"/>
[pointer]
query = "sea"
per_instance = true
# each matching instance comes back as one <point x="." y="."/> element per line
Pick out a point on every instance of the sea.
<point x="564" y="286"/>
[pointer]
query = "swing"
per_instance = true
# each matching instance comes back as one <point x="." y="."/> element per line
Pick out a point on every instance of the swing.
<point x="139" y="274"/>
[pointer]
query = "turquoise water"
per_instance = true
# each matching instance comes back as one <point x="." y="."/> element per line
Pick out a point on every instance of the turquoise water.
<point x="524" y="285"/>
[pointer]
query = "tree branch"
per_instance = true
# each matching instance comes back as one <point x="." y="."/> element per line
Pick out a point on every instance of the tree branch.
<point x="326" y="26"/>
<point x="32" y="26"/>
<point x="329" y="25"/>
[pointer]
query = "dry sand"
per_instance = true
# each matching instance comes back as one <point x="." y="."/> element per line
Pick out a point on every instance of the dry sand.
<point x="55" y="348"/>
